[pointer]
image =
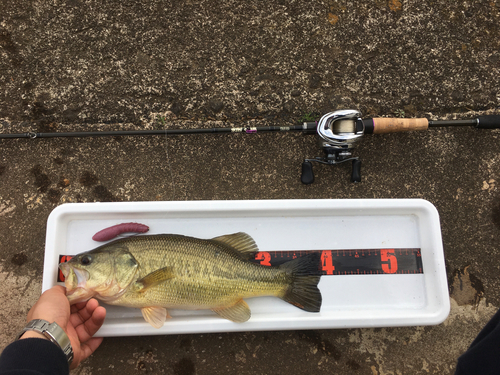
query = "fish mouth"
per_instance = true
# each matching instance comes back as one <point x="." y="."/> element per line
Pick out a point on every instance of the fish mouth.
<point x="75" y="283"/>
<point x="74" y="278"/>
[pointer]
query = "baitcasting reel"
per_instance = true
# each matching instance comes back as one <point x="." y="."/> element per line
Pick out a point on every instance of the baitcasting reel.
<point x="338" y="131"/>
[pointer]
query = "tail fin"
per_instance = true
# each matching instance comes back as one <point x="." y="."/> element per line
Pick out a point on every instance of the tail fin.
<point x="303" y="291"/>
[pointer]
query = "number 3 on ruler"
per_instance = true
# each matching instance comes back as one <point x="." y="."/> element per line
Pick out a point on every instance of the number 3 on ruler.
<point x="387" y="255"/>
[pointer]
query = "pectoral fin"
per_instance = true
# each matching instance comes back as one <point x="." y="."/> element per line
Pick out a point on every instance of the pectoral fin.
<point x="156" y="277"/>
<point x="155" y="316"/>
<point x="238" y="313"/>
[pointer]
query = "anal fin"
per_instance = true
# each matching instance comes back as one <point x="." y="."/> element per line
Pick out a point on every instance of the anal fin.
<point x="155" y="316"/>
<point x="238" y="313"/>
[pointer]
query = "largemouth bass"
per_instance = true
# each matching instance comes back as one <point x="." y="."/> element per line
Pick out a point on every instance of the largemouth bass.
<point x="166" y="271"/>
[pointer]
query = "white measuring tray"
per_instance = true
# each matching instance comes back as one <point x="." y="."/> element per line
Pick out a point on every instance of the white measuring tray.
<point x="349" y="301"/>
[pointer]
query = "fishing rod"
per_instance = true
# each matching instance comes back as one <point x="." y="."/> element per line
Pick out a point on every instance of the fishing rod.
<point x="337" y="132"/>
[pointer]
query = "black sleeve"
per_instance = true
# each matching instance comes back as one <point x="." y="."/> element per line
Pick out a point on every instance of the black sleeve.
<point x="483" y="357"/>
<point x="33" y="356"/>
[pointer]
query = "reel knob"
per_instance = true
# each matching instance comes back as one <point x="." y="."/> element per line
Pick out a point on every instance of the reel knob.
<point x="356" y="171"/>
<point x="307" y="177"/>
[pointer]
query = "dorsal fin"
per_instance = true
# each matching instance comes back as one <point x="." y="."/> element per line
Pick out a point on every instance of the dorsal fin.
<point x="241" y="242"/>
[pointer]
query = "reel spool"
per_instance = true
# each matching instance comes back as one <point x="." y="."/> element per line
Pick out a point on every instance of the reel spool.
<point x="338" y="132"/>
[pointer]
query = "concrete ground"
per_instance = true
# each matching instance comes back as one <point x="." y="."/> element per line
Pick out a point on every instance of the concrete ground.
<point x="103" y="65"/>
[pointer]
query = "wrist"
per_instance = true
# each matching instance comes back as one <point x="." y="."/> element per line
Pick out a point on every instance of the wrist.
<point x="52" y="332"/>
<point x="32" y="334"/>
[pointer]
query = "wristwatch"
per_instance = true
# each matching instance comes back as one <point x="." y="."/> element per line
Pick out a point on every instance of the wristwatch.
<point x="53" y="332"/>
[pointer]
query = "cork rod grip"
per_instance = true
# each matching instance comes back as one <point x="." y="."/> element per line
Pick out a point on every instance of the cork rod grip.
<point x="384" y="125"/>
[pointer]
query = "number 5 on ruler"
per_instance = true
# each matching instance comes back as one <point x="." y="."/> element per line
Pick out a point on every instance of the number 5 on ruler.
<point x="387" y="255"/>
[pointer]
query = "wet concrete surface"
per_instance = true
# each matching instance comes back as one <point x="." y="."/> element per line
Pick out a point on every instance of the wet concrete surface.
<point x="119" y="65"/>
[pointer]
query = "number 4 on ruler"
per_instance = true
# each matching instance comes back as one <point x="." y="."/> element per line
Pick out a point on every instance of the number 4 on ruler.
<point x="327" y="262"/>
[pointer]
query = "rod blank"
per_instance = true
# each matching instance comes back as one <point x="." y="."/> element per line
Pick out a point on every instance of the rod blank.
<point x="247" y="130"/>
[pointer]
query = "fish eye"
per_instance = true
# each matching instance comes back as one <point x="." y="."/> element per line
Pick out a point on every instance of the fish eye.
<point x="86" y="260"/>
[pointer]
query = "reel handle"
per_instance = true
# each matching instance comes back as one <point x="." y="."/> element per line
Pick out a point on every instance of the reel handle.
<point x="383" y="125"/>
<point x="307" y="176"/>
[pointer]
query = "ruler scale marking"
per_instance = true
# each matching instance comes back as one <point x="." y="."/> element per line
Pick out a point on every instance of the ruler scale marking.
<point x="341" y="262"/>
<point x="358" y="261"/>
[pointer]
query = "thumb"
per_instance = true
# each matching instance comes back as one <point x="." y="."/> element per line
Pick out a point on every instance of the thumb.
<point x="52" y="306"/>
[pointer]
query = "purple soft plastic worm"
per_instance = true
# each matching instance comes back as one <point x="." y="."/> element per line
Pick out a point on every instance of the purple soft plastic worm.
<point x="115" y="230"/>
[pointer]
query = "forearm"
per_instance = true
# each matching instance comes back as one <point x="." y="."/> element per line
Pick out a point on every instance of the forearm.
<point x="34" y="356"/>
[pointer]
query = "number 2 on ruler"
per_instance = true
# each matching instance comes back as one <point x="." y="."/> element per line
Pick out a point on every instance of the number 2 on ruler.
<point x="264" y="257"/>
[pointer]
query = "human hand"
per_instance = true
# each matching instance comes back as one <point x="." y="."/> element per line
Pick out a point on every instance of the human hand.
<point x="80" y="321"/>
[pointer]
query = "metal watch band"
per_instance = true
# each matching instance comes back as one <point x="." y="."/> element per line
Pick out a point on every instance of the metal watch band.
<point x="53" y="332"/>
